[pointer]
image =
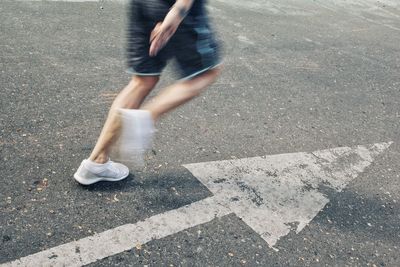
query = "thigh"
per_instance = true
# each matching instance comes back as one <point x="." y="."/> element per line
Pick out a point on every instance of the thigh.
<point x="143" y="15"/>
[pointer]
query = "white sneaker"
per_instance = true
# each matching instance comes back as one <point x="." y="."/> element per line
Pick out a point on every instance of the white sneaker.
<point x="90" y="172"/>
<point x="136" y="135"/>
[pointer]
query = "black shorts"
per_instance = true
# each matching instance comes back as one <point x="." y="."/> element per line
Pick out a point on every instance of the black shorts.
<point x="193" y="46"/>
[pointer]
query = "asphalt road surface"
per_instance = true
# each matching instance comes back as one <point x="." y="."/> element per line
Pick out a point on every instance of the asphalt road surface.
<point x="301" y="78"/>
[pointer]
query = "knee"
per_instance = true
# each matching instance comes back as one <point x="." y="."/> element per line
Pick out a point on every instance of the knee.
<point x="212" y="75"/>
<point x="199" y="84"/>
<point x="135" y="92"/>
<point x="144" y="84"/>
<point x="217" y="71"/>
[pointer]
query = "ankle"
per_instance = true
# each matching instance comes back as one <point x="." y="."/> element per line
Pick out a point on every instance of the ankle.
<point x="100" y="159"/>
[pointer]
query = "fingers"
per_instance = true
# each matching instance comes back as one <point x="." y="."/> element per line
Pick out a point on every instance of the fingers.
<point x="159" y="41"/>
<point x="155" y="37"/>
<point x="159" y="37"/>
<point x="155" y="31"/>
<point x="154" y="48"/>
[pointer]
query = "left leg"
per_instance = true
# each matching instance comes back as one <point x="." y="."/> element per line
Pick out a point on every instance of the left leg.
<point x="98" y="167"/>
<point x="131" y="97"/>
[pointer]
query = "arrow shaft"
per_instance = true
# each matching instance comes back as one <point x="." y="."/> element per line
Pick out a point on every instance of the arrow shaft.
<point x="125" y="237"/>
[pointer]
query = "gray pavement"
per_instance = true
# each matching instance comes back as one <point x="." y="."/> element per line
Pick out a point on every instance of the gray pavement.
<point x="298" y="76"/>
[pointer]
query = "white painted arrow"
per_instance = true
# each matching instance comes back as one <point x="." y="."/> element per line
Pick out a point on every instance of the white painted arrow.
<point x="270" y="194"/>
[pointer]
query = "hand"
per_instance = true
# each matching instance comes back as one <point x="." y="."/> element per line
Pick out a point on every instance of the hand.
<point x="163" y="31"/>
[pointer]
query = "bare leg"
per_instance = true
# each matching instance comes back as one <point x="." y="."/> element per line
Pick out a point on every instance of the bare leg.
<point x="130" y="97"/>
<point x="179" y="93"/>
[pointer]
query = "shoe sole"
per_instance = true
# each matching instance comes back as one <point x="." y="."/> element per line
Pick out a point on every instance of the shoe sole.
<point x="85" y="181"/>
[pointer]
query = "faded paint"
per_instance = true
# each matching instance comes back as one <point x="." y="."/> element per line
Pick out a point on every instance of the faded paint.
<point x="272" y="194"/>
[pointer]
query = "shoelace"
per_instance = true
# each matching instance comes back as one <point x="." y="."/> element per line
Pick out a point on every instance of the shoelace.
<point x="113" y="168"/>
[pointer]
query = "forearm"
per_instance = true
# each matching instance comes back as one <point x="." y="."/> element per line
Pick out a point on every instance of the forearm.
<point x="179" y="11"/>
<point x="183" y="7"/>
<point x="164" y="30"/>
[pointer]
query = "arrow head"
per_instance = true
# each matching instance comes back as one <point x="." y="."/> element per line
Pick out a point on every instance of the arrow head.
<point x="272" y="194"/>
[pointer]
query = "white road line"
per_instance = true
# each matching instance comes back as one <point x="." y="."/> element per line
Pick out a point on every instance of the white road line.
<point x="78" y="1"/>
<point x="271" y="194"/>
<point x="74" y="1"/>
<point x="125" y="237"/>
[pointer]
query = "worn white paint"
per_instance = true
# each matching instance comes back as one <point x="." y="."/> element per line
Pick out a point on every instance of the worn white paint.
<point x="75" y="1"/>
<point x="125" y="237"/>
<point x="272" y="194"/>
<point x="245" y="40"/>
<point x="383" y="13"/>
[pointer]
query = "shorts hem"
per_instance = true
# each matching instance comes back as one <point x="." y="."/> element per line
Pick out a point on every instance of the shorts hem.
<point x="132" y="71"/>
<point x="191" y="76"/>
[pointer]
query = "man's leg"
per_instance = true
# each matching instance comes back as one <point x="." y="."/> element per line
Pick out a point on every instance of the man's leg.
<point x="98" y="167"/>
<point x="180" y="93"/>
<point x="138" y="125"/>
<point x="131" y="97"/>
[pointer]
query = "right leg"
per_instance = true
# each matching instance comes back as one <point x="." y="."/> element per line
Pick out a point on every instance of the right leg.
<point x="180" y="93"/>
<point x="136" y="135"/>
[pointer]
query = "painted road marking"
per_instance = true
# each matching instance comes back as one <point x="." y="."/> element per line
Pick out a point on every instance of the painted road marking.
<point x="271" y="194"/>
<point x="125" y="237"/>
<point x="75" y="1"/>
<point x="78" y="1"/>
